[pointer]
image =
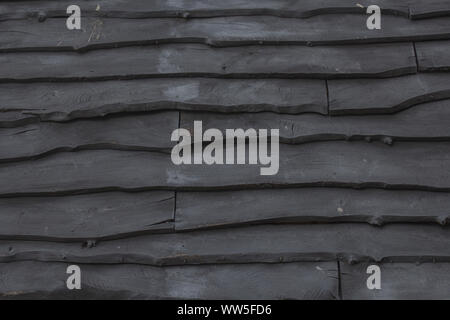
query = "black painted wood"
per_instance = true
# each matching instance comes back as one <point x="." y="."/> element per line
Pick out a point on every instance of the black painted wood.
<point x="11" y="119"/>
<point x="201" y="210"/>
<point x="139" y="132"/>
<point x="220" y="31"/>
<point x="143" y="228"/>
<point x="371" y="96"/>
<point x="420" y="123"/>
<point x="66" y="101"/>
<point x="399" y="281"/>
<point x="351" y="243"/>
<point x="195" y="60"/>
<point x="37" y="280"/>
<point x="194" y="9"/>
<point x="433" y="56"/>
<point x="96" y="216"/>
<point x="150" y="132"/>
<point x="411" y="165"/>
<point x="429" y="9"/>
<point x="415" y="9"/>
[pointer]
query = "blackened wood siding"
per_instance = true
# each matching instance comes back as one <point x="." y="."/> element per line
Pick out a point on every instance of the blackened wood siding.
<point x="86" y="176"/>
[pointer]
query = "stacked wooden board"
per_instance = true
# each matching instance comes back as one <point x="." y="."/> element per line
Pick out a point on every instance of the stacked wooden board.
<point x="86" y="175"/>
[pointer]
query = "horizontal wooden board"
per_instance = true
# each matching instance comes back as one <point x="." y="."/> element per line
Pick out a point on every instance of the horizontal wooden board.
<point x="194" y="9"/>
<point x="66" y="101"/>
<point x="411" y="165"/>
<point x="99" y="32"/>
<point x="196" y="60"/>
<point x="11" y="119"/>
<point x="37" y="280"/>
<point x="150" y="132"/>
<point x="268" y="243"/>
<point x="429" y="9"/>
<point x="198" y="210"/>
<point x="416" y="9"/>
<point x="433" y="56"/>
<point x="92" y="216"/>
<point x="408" y="165"/>
<point x="365" y="96"/>
<point x="423" y="122"/>
<point x="399" y="281"/>
<point x="87" y="171"/>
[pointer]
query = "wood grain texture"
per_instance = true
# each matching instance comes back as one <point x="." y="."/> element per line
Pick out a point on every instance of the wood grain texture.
<point x="67" y="101"/>
<point x="371" y="96"/>
<point x="85" y="170"/>
<point x="429" y="9"/>
<point x="421" y="123"/>
<point x="202" y="210"/>
<point x="99" y="32"/>
<point x="150" y="132"/>
<point x="399" y="281"/>
<point x="351" y="243"/>
<point x="433" y="56"/>
<point x="410" y="165"/>
<point x="15" y="118"/>
<point x="415" y="9"/>
<point x="357" y="164"/>
<point x="92" y="216"/>
<point x="194" y="9"/>
<point x="196" y="60"/>
<point x="37" y="280"/>
<point x="88" y="170"/>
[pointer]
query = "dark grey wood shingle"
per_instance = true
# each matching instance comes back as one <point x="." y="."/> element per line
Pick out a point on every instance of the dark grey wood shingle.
<point x="196" y="8"/>
<point x="351" y="243"/>
<point x="195" y="60"/>
<point x="420" y="123"/>
<point x="415" y="9"/>
<point x="429" y="9"/>
<point x="90" y="216"/>
<point x="150" y="132"/>
<point x="254" y="281"/>
<point x="201" y="210"/>
<point x="219" y="31"/>
<point x="433" y="56"/>
<point x="355" y="164"/>
<point x="371" y="96"/>
<point x="399" y="281"/>
<point x="67" y="101"/>
<point x="11" y="119"/>
<point x="245" y="64"/>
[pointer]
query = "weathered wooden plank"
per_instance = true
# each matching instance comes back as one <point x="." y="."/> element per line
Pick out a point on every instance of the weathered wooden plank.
<point x="199" y="210"/>
<point x="92" y="216"/>
<point x="416" y="9"/>
<point x="429" y="9"/>
<point x="67" y="101"/>
<point x="193" y="9"/>
<point x="411" y="165"/>
<point x="433" y="56"/>
<point x="399" y="281"/>
<point x="99" y="32"/>
<point x="196" y="60"/>
<point x="10" y="119"/>
<point x="255" y="281"/>
<point x="89" y="170"/>
<point x="335" y="164"/>
<point x="365" y="96"/>
<point x="426" y="122"/>
<point x="149" y="132"/>
<point x="267" y="243"/>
